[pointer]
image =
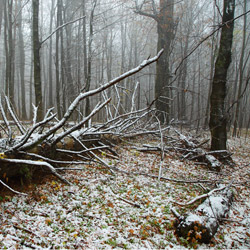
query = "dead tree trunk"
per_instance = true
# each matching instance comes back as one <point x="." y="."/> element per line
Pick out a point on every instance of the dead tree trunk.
<point x="202" y="224"/>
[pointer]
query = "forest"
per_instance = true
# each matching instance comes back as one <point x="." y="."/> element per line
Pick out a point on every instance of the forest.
<point x="124" y="124"/>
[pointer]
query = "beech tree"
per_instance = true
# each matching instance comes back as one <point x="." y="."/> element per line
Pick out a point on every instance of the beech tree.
<point x="165" y="30"/>
<point x="218" y="116"/>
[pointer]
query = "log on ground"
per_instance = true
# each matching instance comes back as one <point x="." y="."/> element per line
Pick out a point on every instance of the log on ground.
<point x="202" y="224"/>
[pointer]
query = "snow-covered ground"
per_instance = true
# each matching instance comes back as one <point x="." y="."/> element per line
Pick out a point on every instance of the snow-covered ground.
<point x="102" y="211"/>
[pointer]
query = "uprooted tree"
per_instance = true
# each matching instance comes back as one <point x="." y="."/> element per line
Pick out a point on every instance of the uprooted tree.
<point x="50" y="143"/>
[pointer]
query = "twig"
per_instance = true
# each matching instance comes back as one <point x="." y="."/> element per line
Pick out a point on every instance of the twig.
<point x="125" y="200"/>
<point x="37" y="163"/>
<point x="11" y="189"/>
<point x="129" y="202"/>
<point x="80" y="124"/>
<point x="30" y="132"/>
<point x="168" y="179"/>
<point x="200" y="197"/>
<point x="82" y="151"/>
<point x="95" y="156"/>
<point x="50" y="160"/>
<point x="60" y="27"/>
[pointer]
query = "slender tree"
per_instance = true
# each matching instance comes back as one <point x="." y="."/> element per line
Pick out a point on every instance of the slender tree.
<point x="89" y="66"/>
<point x="36" y="59"/>
<point x="9" y="50"/>
<point x="21" y="61"/>
<point x="218" y="119"/>
<point x="241" y="72"/>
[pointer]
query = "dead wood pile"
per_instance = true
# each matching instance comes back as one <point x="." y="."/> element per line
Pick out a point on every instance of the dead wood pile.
<point x="53" y="142"/>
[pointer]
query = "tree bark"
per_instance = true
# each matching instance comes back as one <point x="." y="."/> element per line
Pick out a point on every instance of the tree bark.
<point x="50" y="82"/>
<point x="9" y="50"/>
<point x="21" y="63"/>
<point x="89" y="64"/>
<point x="165" y="28"/>
<point x="36" y="58"/>
<point x="218" y="119"/>
<point x="58" y="104"/>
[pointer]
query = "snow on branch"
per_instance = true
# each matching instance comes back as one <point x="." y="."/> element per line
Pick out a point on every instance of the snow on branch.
<point x="84" y="95"/>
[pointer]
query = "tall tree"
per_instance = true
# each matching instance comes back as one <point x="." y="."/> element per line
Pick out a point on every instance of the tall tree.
<point x="21" y="61"/>
<point x="165" y="29"/>
<point x="241" y="72"/>
<point x="36" y="59"/>
<point x="218" y="119"/>
<point x="50" y="72"/>
<point x="1" y="14"/>
<point x="89" y="66"/>
<point x="9" y="50"/>
<point x="57" y="64"/>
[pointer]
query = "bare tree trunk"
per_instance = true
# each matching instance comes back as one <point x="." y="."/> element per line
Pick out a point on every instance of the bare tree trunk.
<point x="165" y="38"/>
<point x="70" y="86"/>
<point x="241" y="73"/>
<point x="50" y="82"/>
<point x="165" y="30"/>
<point x="36" y="58"/>
<point x="1" y="14"/>
<point x="30" y="87"/>
<point x="218" y="119"/>
<point x="58" y="88"/>
<point x="212" y="61"/>
<point x="63" y="82"/>
<point x="21" y="63"/>
<point x="88" y="79"/>
<point x="9" y="50"/>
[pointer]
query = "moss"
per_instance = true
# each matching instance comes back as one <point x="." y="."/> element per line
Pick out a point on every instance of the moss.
<point x="25" y="172"/>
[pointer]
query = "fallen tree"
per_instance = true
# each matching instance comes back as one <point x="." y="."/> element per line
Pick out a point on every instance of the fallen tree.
<point x="43" y="145"/>
<point x="190" y="149"/>
<point x="202" y="224"/>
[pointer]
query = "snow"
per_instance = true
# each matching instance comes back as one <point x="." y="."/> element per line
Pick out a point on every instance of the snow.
<point x="90" y="213"/>
<point x="214" y="206"/>
<point x="193" y="218"/>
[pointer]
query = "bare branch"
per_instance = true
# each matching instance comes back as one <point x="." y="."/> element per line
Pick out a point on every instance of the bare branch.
<point x="14" y="117"/>
<point x="30" y="132"/>
<point x="60" y="27"/>
<point x="80" y="124"/>
<point x="200" y="197"/>
<point x="37" y="163"/>
<point x="82" y="96"/>
<point x="205" y="38"/>
<point x="11" y="189"/>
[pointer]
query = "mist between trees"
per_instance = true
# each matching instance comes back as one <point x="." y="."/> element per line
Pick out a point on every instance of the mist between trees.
<point x="82" y="44"/>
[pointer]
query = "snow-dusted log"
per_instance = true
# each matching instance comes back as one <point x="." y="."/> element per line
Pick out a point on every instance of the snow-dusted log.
<point x="202" y="224"/>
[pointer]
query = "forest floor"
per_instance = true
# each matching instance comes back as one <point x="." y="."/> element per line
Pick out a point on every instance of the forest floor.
<point x="102" y="211"/>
